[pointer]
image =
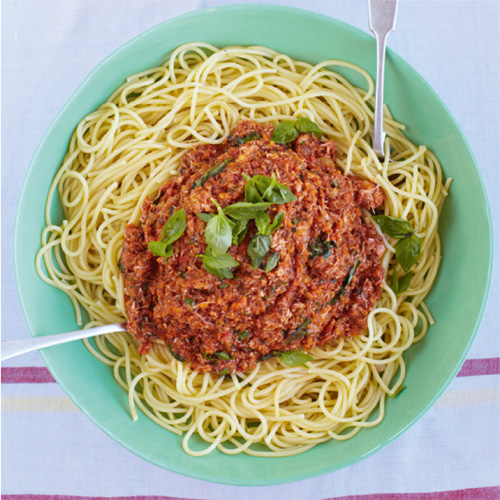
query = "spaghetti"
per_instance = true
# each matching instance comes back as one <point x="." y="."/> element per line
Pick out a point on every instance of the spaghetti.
<point x="124" y="152"/>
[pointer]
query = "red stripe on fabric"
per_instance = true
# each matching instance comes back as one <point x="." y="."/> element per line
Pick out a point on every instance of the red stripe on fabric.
<point x="71" y="497"/>
<point x="492" y="493"/>
<point x="484" y="366"/>
<point x="26" y="375"/>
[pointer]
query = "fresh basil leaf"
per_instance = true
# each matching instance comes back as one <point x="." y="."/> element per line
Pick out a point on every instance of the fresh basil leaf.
<point x="205" y="217"/>
<point x="175" y="355"/>
<point x="157" y="248"/>
<point x="218" y="233"/>
<point x="276" y="223"/>
<point x="211" y="173"/>
<point x="404" y="282"/>
<point x="172" y="230"/>
<point x="169" y="252"/>
<point x="161" y="249"/>
<point x="224" y="261"/>
<point x="300" y="331"/>
<point x="271" y="190"/>
<point x="272" y="262"/>
<point x="394" y="227"/>
<point x="220" y="273"/>
<point x="305" y="125"/>
<point x="252" y="194"/>
<point x="279" y="193"/>
<point x="262" y="220"/>
<point x="294" y="358"/>
<point x="408" y="251"/>
<point x="252" y="136"/>
<point x="174" y="227"/>
<point x="244" y="210"/>
<point x="258" y="248"/>
<point x="260" y="182"/>
<point x="285" y="132"/>
<point x="394" y="282"/>
<point x="239" y="229"/>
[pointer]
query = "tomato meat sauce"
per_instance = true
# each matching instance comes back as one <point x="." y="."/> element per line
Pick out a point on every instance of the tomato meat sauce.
<point x="327" y="280"/>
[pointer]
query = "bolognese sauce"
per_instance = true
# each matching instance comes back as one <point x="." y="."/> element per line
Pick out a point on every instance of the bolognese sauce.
<point x="326" y="281"/>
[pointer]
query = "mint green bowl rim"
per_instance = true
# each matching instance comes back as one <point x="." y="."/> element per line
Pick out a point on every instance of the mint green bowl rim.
<point x="401" y="62"/>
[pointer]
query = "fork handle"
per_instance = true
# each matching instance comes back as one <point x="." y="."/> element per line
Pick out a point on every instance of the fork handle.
<point x="11" y="348"/>
<point x="382" y="14"/>
<point x="378" y="134"/>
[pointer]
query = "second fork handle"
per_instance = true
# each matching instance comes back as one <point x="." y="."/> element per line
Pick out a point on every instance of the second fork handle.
<point x="378" y="129"/>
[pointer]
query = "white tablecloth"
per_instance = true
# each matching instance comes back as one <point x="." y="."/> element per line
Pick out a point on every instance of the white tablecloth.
<point x="51" y="450"/>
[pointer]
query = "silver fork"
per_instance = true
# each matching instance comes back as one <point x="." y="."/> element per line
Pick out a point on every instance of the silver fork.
<point x="11" y="348"/>
<point x="382" y="15"/>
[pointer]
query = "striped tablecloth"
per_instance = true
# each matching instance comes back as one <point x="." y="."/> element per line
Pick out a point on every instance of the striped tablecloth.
<point x="50" y="450"/>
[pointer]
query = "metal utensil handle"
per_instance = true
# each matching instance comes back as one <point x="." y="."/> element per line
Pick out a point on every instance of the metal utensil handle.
<point x="382" y="15"/>
<point x="11" y="348"/>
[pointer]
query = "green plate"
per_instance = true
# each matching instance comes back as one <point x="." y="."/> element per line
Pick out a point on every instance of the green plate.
<point x="457" y="299"/>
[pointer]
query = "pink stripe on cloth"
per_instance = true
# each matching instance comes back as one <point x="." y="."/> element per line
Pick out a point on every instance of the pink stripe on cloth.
<point x="40" y="374"/>
<point x="492" y="493"/>
<point x="484" y="366"/>
<point x="26" y="375"/>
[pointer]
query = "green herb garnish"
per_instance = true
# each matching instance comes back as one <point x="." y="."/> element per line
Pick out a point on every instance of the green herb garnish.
<point x="245" y="211"/>
<point x="230" y="226"/>
<point x="171" y="232"/>
<point x="219" y="265"/>
<point x="211" y="173"/>
<point x="305" y="125"/>
<point x="300" y="331"/>
<point x="287" y="131"/>
<point x="271" y="190"/>
<point x="205" y="217"/>
<point x="408" y="249"/>
<point x="394" y="227"/>
<point x="218" y="233"/>
<point x="258" y="248"/>
<point x="320" y="247"/>
<point x="294" y="358"/>
<point x="272" y="262"/>
<point x="252" y="136"/>
<point x="400" y="285"/>
<point x="275" y="224"/>
<point x="243" y="335"/>
<point x="240" y="229"/>
<point x="176" y="356"/>
<point x="223" y="355"/>
<point x="345" y="283"/>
